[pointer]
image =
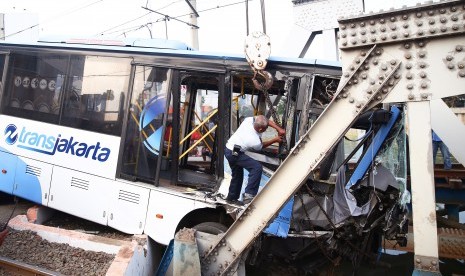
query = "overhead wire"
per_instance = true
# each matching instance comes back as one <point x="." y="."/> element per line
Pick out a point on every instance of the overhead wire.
<point x="51" y="19"/>
<point x="135" y="28"/>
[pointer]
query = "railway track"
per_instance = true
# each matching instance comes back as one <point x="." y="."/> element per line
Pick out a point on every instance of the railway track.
<point x="12" y="267"/>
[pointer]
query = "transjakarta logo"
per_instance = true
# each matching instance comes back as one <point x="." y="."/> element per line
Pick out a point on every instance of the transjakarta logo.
<point x="50" y="145"/>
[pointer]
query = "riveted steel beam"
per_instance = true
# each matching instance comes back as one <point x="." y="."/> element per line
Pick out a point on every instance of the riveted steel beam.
<point x="356" y="92"/>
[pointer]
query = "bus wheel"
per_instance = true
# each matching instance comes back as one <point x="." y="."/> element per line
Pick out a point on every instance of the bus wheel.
<point x="210" y="227"/>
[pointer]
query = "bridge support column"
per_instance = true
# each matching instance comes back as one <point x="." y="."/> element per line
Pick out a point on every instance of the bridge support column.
<point x="426" y="259"/>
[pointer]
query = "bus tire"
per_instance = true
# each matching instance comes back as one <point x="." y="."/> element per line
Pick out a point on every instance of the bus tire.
<point x="211" y="227"/>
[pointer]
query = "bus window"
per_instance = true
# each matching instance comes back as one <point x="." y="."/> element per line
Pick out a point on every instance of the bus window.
<point x="2" y="66"/>
<point x="95" y="93"/>
<point x="34" y="87"/>
<point x="144" y="130"/>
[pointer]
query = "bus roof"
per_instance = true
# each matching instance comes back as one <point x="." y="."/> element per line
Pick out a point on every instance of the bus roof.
<point x="157" y="47"/>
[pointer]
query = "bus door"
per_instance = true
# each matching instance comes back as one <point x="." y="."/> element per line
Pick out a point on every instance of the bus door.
<point x="194" y="149"/>
<point x="144" y="127"/>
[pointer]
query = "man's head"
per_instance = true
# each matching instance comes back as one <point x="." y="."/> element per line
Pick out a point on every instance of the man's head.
<point x="260" y="124"/>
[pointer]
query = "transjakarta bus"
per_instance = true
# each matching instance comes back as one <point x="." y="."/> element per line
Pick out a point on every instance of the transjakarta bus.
<point x="131" y="135"/>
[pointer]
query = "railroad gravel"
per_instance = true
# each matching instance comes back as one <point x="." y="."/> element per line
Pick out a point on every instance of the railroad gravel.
<point x="28" y="247"/>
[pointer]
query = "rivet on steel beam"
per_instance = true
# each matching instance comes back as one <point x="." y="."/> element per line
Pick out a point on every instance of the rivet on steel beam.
<point x="422" y="75"/>
<point x="408" y="56"/>
<point x="366" y="67"/>
<point x="458" y="48"/>
<point x="391" y="83"/>
<point x="369" y="91"/>
<point x="343" y="27"/>
<point x="384" y="67"/>
<point x="431" y="21"/>
<point x="407" y="45"/>
<point x="375" y="61"/>
<point x="384" y="91"/>
<point x="363" y="40"/>
<point x="393" y="27"/>
<point x="419" y="23"/>
<point x="408" y="66"/>
<point x="443" y="29"/>
<point x="355" y="81"/>
<point x="372" y="82"/>
<point x="363" y="32"/>
<point x="443" y="20"/>
<point x="344" y="95"/>
<point x="424" y="85"/>
<point x="352" y="68"/>
<point x="418" y="14"/>
<point x="378" y="98"/>
<point x="382" y="21"/>
<point x="450" y="65"/>
<point x="434" y="262"/>
<point x="381" y="77"/>
<point x="405" y="25"/>
<point x="352" y="25"/>
<point x="353" y="33"/>
<point x="392" y="19"/>
<point x="442" y="10"/>
<point x="393" y="35"/>
<point x="372" y="30"/>
<point x="432" y="30"/>
<point x="383" y="37"/>
<point x="393" y="62"/>
<point x="362" y="24"/>
<point x="382" y="29"/>
<point x="453" y="9"/>
<point x="372" y="22"/>
<point x="461" y="65"/>
<point x="353" y="41"/>
<point x="421" y="44"/>
<point x="405" y="17"/>
<point x="420" y="32"/>
<point x="351" y="100"/>
<point x="462" y="73"/>
<point x="455" y="27"/>
<point x="422" y="54"/>
<point x="411" y="97"/>
<point x="363" y="53"/>
<point x="409" y="76"/>
<point x="454" y="18"/>
<point x="410" y="86"/>
<point x="373" y="39"/>
<point x="344" y="43"/>
<point x="343" y="35"/>
<point x="358" y="105"/>
<point x="430" y="12"/>
<point x="364" y="76"/>
<point x="449" y="58"/>
<point x="422" y="65"/>
<point x="406" y="34"/>
<point x="397" y="76"/>
<point x="346" y="75"/>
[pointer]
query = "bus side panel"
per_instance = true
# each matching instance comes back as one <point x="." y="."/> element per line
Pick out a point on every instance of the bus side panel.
<point x="7" y="175"/>
<point x="128" y="207"/>
<point x="80" y="194"/>
<point x="72" y="148"/>
<point x="164" y="214"/>
<point x="32" y="180"/>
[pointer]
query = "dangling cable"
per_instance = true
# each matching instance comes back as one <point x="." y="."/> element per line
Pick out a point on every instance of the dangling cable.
<point x="262" y="4"/>
<point x="247" y="15"/>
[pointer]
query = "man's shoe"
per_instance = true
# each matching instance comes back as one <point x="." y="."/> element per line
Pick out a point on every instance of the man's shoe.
<point x="247" y="198"/>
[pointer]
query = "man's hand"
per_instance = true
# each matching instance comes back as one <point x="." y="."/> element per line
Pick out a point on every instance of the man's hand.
<point x="278" y="139"/>
<point x="281" y="131"/>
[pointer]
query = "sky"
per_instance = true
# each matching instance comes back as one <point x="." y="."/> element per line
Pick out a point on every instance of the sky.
<point x="222" y="23"/>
